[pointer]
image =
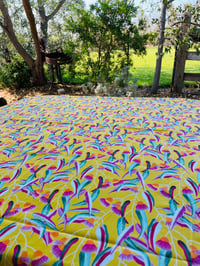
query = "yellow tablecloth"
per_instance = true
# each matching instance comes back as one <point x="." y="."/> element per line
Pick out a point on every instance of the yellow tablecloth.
<point x="100" y="181"/>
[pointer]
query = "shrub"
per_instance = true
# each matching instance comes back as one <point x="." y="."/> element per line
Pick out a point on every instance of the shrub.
<point x="15" y="74"/>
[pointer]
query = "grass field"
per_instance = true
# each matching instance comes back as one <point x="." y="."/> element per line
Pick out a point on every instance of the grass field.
<point x="144" y="67"/>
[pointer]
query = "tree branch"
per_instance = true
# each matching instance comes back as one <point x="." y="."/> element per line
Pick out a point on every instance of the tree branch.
<point x="55" y="11"/>
<point x="41" y="9"/>
<point x="31" y="18"/>
<point x="170" y="1"/>
<point x="8" y="28"/>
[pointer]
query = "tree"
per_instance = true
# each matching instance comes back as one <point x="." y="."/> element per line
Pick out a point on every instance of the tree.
<point x="107" y="28"/>
<point x="35" y="64"/>
<point x="165" y="4"/>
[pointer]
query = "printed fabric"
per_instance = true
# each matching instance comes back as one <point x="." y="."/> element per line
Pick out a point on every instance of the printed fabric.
<point x="100" y="181"/>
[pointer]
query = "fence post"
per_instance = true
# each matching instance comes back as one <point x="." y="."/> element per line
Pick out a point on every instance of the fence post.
<point x="180" y="56"/>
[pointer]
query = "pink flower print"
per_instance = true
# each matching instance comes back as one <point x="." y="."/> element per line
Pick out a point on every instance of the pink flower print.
<point x="164" y="191"/>
<point x="126" y="255"/>
<point x="89" y="222"/>
<point x="1" y="202"/>
<point x="23" y="259"/>
<point x="13" y="211"/>
<point x="168" y="221"/>
<point x="163" y="243"/>
<point x="39" y="259"/>
<point x="195" y="255"/>
<point x="3" y="246"/>
<point x="58" y="246"/>
<point x="187" y="190"/>
<point x="106" y="202"/>
<point x="89" y="246"/>
<point x="153" y="187"/>
<point x="141" y="206"/>
<point x="68" y="192"/>
<point x="28" y="206"/>
<point x="116" y="208"/>
<point x="106" y="184"/>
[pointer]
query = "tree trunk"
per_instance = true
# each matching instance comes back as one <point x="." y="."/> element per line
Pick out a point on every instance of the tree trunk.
<point x="180" y="56"/>
<point x="160" y="48"/>
<point x="37" y="69"/>
<point x="43" y="22"/>
<point x="35" y="66"/>
<point x="44" y="19"/>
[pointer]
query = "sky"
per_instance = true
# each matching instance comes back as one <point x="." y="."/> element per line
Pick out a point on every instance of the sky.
<point x="176" y="2"/>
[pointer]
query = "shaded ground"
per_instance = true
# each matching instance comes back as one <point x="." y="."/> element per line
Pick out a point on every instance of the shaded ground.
<point x="12" y="95"/>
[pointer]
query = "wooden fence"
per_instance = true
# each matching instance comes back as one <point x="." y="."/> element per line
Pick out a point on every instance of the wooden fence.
<point x="181" y="55"/>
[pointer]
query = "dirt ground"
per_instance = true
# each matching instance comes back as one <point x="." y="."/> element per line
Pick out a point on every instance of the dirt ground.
<point x="12" y="95"/>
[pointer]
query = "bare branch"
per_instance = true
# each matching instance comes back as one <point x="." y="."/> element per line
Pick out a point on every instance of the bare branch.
<point x="55" y="11"/>
<point x="170" y="1"/>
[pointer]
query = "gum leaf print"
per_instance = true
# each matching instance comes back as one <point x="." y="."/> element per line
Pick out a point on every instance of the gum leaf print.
<point x="124" y="206"/>
<point x="193" y="185"/>
<point x="186" y="252"/>
<point x="16" y="174"/>
<point x="64" y="251"/>
<point x="149" y="199"/>
<point x="192" y="165"/>
<point x="66" y="205"/>
<point x="48" y="206"/>
<point x="137" y="247"/>
<point x="172" y="206"/>
<point x="82" y="185"/>
<point x="122" y="220"/>
<point x="123" y="236"/>
<point x="108" y="254"/>
<point x="121" y="225"/>
<point x="177" y="215"/>
<point x="79" y="216"/>
<point x="132" y="166"/>
<point x="140" y="177"/>
<point x="7" y="230"/>
<point x="164" y="257"/>
<point x="10" y="205"/>
<point x="47" y="176"/>
<point x="101" y="257"/>
<point x="171" y="191"/>
<point x="16" y="254"/>
<point x="152" y="232"/>
<point x="191" y="201"/>
<point x="41" y="226"/>
<point x="102" y="237"/>
<point x="51" y="196"/>
<point x="88" y="200"/>
<point x="61" y="163"/>
<point x="143" y="221"/>
<point x="4" y="191"/>
<point x="86" y="171"/>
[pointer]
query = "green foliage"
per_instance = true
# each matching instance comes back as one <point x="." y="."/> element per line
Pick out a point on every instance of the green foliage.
<point x="105" y="28"/>
<point x="16" y="73"/>
<point x="144" y="67"/>
<point x="176" y="33"/>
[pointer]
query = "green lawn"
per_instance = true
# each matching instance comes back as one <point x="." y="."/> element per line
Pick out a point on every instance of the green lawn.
<point x="144" y="67"/>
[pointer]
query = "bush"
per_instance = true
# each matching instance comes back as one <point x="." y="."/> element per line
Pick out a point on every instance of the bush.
<point x="15" y="74"/>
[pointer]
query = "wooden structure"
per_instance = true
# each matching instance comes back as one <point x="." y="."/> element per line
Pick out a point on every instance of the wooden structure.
<point x="56" y="59"/>
<point x="181" y="55"/>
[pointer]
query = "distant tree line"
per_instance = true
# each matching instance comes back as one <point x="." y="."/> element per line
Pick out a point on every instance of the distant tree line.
<point x="104" y="35"/>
